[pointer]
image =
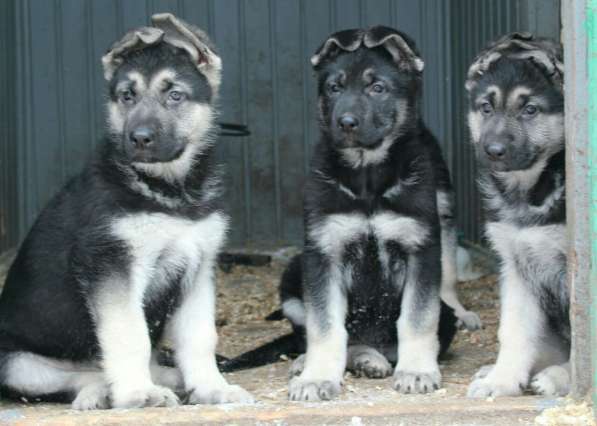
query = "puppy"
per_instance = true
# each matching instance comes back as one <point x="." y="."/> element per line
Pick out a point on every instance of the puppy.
<point x="124" y="254"/>
<point x="516" y="120"/>
<point x="367" y="286"/>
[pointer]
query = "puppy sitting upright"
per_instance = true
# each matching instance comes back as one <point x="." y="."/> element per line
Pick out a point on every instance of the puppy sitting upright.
<point x="370" y="274"/>
<point x="125" y="252"/>
<point x="516" y="119"/>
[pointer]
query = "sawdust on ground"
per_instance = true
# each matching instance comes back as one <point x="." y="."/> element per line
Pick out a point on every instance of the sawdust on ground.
<point x="246" y="295"/>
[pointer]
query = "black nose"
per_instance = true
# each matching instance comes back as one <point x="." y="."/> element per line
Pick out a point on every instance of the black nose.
<point x="496" y="151"/>
<point x="348" y="122"/>
<point x="142" y="137"/>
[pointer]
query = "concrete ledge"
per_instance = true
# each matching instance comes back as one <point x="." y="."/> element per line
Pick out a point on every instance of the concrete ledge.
<point x="508" y="411"/>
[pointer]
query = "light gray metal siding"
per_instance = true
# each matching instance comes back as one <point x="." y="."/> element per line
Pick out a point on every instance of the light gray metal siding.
<point x="268" y="84"/>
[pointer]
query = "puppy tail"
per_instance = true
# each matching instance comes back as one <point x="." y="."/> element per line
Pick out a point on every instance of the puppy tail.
<point x="447" y="328"/>
<point x="290" y="345"/>
<point x="277" y="315"/>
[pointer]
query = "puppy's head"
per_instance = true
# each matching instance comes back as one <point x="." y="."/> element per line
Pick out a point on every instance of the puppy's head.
<point x="163" y="81"/>
<point x="369" y="86"/>
<point x="516" y="103"/>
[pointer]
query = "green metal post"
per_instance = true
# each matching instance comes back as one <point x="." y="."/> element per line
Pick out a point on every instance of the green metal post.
<point x="591" y="27"/>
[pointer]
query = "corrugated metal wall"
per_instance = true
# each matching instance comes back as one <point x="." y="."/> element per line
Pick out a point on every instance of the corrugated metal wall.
<point x="268" y="84"/>
<point x="8" y="143"/>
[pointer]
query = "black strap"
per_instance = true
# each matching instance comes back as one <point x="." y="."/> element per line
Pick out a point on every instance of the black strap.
<point x="233" y="129"/>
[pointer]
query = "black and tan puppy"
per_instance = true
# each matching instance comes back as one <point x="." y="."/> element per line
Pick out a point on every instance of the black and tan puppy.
<point x="367" y="287"/>
<point x="125" y="252"/>
<point x="516" y="119"/>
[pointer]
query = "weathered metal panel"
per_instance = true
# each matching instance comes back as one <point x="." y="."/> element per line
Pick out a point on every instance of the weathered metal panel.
<point x="578" y="192"/>
<point x="268" y="84"/>
<point x="8" y="147"/>
<point x="591" y="59"/>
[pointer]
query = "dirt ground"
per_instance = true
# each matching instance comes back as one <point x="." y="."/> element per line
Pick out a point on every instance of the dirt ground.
<point x="246" y="295"/>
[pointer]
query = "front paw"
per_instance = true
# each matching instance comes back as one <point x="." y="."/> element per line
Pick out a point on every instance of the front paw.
<point x="312" y="390"/>
<point x="413" y="382"/>
<point x="225" y="394"/>
<point x="149" y="396"/>
<point x="490" y="386"/>
<point x="469" y="320"/>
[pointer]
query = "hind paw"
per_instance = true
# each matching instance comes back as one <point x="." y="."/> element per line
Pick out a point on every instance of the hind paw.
<point x="224" y="395"/>
<point x="95" y="396"/>
<point x="469" y="320"/>
<point x="372" y="365"/>
<point x="552" y="381"/>
<point x="483" y="372"/>
<point x="151" y="396"/>
<point x="297" y="367"/>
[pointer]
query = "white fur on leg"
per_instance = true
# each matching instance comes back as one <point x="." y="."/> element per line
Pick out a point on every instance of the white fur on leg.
<point x="552" y="381"/>
<point x="194" y="334"/>
<point x="126" y="350"/>
<point x="36" y="375"/>
<point x="418" y="346"/>
<point x="325" y="360"/>
<point x="521" y="323"/>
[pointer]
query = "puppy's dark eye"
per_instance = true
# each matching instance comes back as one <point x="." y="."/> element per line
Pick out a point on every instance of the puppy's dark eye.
<point x="127" y="97"/>
<point x="486" y="108"/>
<point x="530" y="110"/>
<point x="335" y="88"/>
<point x="378" y="88"/>
<point x="175" y="96"/>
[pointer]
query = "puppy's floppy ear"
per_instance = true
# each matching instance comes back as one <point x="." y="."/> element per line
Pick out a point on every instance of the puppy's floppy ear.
<point x="545" y="54"/>
<point x="195" y="42"/>
<point x="347" y="40"/>
<point x="402" y="48"/>
<point x="495" y="51"/>
<point x="133" y="40"/>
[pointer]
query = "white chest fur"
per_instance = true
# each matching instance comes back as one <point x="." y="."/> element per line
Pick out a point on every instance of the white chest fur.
<point x="161" y="243"/>
<point x="545" y="240"/>
<point x="333" y="233"/>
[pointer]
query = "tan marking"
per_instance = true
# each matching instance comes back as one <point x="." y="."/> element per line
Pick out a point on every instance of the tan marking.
<point x="161" y="79"/>
<point x="514" y="96"/>
<point x="138" y="79"/>
<point x="368" y="75"/>
<point x="496" y="92"/>
<point x="474" y="124"/>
